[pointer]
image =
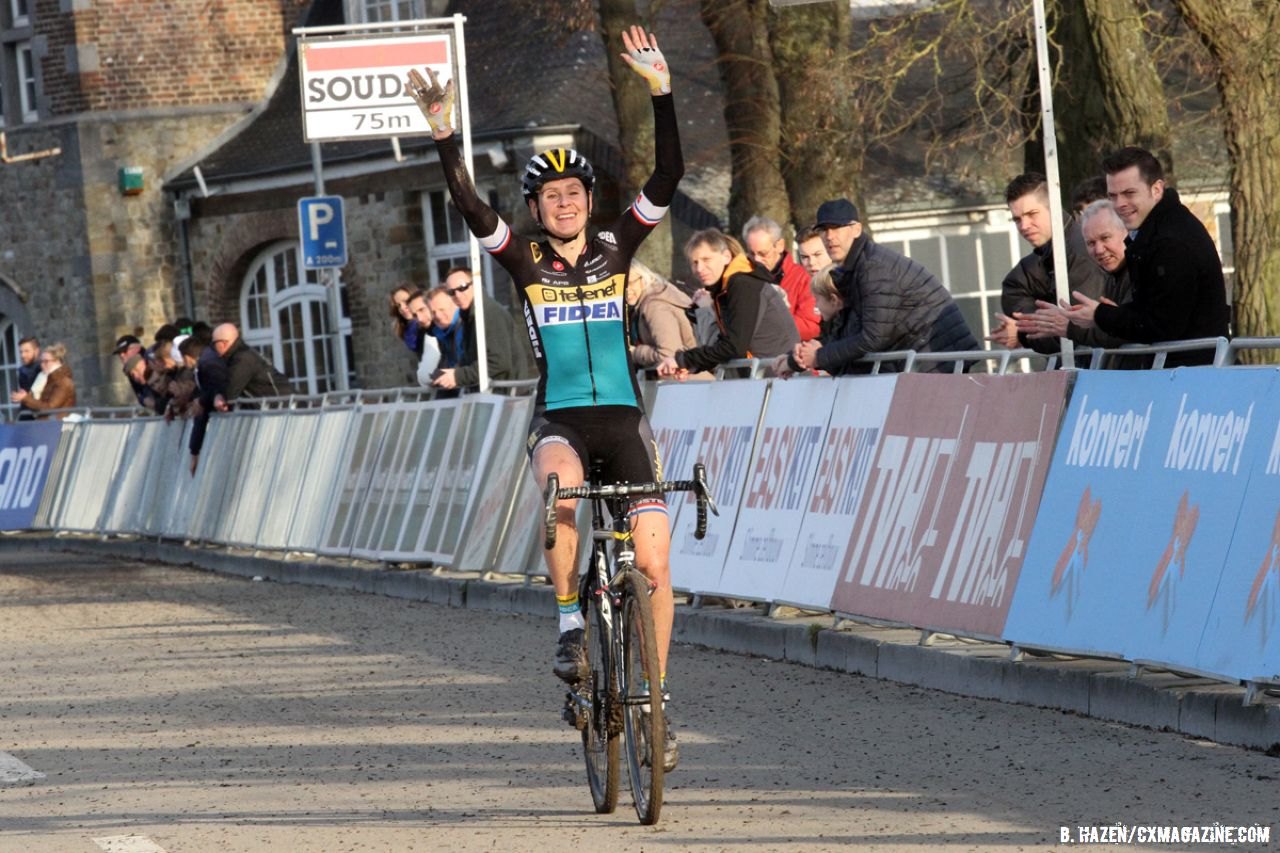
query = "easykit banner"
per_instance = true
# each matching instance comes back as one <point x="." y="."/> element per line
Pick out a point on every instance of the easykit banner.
<point x="1146" y="487"/>
<point x="718" y="422"/>
<point x="26" y="450"/>
<point x="858" y="413"/>
<point x="780" y="477"/>
<point x="1242" y="637"/>
<point x="952" y="497"/>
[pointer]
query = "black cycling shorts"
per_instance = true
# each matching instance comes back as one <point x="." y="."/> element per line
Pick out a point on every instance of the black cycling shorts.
<point x="619" y="437"/>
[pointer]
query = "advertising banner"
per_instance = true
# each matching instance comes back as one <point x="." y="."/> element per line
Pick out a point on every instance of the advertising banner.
<point x="1242" y="637"/>
<point x="779" y="478"/>
<point x="713" y="423"/>
<point x="941" y="533"/>
<point x="1146" y="487"/>
<point x="26" y="449"/>
<point x="858" y="413"/>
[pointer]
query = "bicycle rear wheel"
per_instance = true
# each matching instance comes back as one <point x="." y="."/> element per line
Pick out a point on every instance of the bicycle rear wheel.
<point x="646" y="725"/>
<point x="603" y="726"/>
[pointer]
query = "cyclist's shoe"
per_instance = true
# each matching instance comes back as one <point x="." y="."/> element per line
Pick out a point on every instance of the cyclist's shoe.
<point x="571" y="657"/>
<point x="671" y="750"/>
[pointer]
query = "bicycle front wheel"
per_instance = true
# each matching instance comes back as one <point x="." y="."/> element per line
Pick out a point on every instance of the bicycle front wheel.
<point x="646" y="725"/>
<point x="603" y="725"/>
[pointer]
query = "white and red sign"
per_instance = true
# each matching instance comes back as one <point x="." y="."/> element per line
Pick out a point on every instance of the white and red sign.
<point x="354" y="88"/>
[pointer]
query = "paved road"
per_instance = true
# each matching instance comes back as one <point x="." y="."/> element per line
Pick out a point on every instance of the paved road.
<point x="210" y="713"/>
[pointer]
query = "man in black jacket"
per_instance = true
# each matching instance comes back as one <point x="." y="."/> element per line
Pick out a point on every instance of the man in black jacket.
<point x="1174" y="268"/>
<point x="248" y="373"/>
<point x="890" y="302"/>
<point x="507" y="352"/>
<point x="1032" y="280"/>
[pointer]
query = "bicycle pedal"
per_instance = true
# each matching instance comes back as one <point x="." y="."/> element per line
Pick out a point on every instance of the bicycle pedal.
<point x="569" y="713"/>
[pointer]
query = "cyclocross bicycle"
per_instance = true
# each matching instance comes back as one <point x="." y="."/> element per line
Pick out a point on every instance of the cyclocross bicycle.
<point x="620" y="643"/>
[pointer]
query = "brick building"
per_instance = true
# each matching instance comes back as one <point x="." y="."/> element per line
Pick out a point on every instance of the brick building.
<point x="137" y="85"/>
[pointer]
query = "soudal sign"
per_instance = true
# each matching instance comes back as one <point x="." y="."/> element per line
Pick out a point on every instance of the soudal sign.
<point x="26" y="449"/>
<point x="354" y="88"/>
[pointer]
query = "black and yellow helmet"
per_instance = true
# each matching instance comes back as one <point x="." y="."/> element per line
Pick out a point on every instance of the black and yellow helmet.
<point x="553" y="165"/>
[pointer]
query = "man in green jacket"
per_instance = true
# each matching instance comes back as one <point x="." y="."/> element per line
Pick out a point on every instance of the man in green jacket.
<point x="506" y="344"/>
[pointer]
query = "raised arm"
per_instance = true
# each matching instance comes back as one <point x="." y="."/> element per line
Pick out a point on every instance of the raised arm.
<point x="437" y="104"/>
<point x="643" y="56"/>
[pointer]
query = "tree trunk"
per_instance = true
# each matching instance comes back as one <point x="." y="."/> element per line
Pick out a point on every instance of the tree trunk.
<point x="1244" y="38"/>
<point x="751" y="108"/>
<point x="821" y="145"/>
<point x="1136" y="107"/>
<point x="631" y="102"/>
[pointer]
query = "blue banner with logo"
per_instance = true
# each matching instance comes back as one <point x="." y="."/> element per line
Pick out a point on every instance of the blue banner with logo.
<point x="1147" y="483"/>
<point x="26" y="452"/>
<point x="1242" y="637"/>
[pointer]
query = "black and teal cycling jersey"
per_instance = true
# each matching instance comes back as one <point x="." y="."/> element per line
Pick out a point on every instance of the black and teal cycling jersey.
<point x="576" y="314"/>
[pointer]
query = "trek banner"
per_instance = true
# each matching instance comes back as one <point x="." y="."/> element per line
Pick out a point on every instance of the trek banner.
<point x="1144" y="493"/>
<point x="26" y="452"/>
<point x="780" y="475"/>
<point x="942" y="528"/>
<point x="853" y="431"/>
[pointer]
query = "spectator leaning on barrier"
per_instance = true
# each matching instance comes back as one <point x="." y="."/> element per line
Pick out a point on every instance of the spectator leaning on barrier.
<point x="752" y="316"/>
<point x="404" y="325"/>
<point x="126" y="347"/>
<point x="507" y="350"/>
<point x="248" y="373"/>
<point x="210" y="375"/>
<point x="831" y="307"/>
<point x="59" y="387"/>
<point x="1174" y="268"/>
<point x="1032" y="278"/>
<point x="1104" y="235"/>
<point x="657" y="316"/>
<point x="762" y="238"/>
<point x="890" y="302"/>
<point x="428" y="345"/>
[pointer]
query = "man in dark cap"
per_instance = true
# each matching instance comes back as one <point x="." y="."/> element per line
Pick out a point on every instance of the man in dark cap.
<point x="889" y="302"/>
<point x="127" y="346"/>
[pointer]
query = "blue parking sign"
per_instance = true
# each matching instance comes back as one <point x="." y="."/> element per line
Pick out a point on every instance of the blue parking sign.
<point x="323" y="230"/>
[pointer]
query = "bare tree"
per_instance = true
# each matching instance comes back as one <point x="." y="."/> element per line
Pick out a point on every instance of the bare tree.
<point x="1244" y="38"/>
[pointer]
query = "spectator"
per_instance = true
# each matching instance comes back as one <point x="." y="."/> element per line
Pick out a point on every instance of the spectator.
<point x="182" y="382"/>
<point x="59" y="387"/>
<point x="831" y="307"/>
<point x="1086" y="193"/>
<point x="429" y="346"/>
<point x="507" y="349"/>
<point x="1173" y="265"/>
<point x="1104" y="234"/>
<point x="812" y="252"/>
<point x="403" y="324"/>
<point x="29" y="371"/>
<point x="763" y="240"/>
<point x="249" y="375"/>
<point x="126" y="347"/>
<point x="659" y="317"/>
<point x="210" y="375"/>
<point x="890" y="302"/>
<point x="752" y="316"/>
<point x="1032" y="280"/>
<point x="143" y="371"/>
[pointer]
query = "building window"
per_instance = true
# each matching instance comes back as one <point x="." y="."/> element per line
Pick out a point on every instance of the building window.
<point x="26" y="81"/>
<point x="18" y="10"/>
<point x="448" y="240"/>
<point x="387" y="11"/>
<point x="284" y="314"/>
<point x="9" y="362"/>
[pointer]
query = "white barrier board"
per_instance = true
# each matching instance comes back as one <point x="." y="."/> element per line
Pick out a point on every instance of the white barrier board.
<point x="853" y="434"/>
<point x="719" y="421"/>
<point x="780" y="476"/>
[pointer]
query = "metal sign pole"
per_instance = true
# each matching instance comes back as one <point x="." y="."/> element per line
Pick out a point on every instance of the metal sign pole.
<point x="329" y="278"/>
<point x="478" y="280"/>
<point x="1061" y="283"/>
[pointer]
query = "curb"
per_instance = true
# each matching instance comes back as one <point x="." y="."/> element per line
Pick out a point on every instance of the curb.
<point x="1103" y="689"/>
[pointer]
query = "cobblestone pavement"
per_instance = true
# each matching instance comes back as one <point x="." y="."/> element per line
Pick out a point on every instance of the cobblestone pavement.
<point x="196" y="712"/>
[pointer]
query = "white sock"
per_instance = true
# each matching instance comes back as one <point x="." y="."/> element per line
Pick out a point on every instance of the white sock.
<point x="569" y="621"/>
